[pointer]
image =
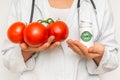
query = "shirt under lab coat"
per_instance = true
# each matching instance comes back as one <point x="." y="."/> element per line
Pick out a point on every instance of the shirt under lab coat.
<point x="62" y="63"/>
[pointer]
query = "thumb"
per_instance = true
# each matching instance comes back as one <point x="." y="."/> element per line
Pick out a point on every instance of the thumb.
<point x="23" y="46"/>
<point x="96" y="48"/>
<point x="92" y="50"/>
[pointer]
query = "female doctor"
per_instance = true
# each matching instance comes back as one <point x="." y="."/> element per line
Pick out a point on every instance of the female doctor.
<point x="69" y="59"/>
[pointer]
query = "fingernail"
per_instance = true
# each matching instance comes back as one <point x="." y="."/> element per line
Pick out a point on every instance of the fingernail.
<point x="58" y="43"/>
<point x="53" y="37"/>
<point x="69" y="41"/>
<point x="47" y="45"/>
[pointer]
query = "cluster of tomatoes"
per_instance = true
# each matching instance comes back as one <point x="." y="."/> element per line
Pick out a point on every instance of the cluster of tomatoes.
<point x="36" y="33"/>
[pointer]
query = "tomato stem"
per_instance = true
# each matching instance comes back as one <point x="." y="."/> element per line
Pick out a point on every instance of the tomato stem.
<point x="48" y="21"/>
<point x="43" y="21"/>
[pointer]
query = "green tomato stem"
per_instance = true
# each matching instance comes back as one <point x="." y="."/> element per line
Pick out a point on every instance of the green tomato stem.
<point x="48" y="21"/>
<point x="43" y="21"/>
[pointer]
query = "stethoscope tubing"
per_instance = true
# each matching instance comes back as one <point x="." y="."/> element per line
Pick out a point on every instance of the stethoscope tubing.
<point x="78" y="10"/>
<point x="32" y="11"/>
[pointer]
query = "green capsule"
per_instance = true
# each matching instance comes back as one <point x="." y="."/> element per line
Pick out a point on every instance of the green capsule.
<point x="86" y="36"/>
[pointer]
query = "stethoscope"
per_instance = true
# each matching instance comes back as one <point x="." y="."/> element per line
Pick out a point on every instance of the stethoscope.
<point x="78" y="11"/>
<point x="78" y="6"/>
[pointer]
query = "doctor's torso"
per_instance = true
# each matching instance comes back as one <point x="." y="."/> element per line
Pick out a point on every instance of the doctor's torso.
<point x="60" y="63"/>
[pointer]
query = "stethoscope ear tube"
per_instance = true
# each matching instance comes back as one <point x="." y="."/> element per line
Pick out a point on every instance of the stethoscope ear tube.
<point x="78" y="4"/>
<point x="32" y="11"/>
<point x="92" y="2"/>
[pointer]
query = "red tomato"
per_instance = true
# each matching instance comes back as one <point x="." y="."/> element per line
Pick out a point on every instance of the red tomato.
<point x="58" y="29"/>
<point x="35" y="34"/>
<point x="15" y="32"/>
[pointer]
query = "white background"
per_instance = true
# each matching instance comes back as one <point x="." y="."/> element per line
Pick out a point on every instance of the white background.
<point x="4" y="9"/>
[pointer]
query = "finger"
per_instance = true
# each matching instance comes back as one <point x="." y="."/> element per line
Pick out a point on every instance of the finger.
<point x="41" y="48"/>
<point x="74" y="47"/>
<point x="23" y="46"/>
<point x="79" y="44"/>
<point x="50" y="39"/>
<point x="46" y="45"/>
<point x="97" y="48"/>
<point x="93" y="55"/>
<point x="76" y="50"/>
<point x="92" y="50"/>
<point x="83" y="48"/>
<point x="69" y="41"/>
<point x="54" y="45"/>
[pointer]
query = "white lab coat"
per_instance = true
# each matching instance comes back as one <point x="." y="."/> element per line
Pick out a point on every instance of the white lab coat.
<point x="62" y="63"/>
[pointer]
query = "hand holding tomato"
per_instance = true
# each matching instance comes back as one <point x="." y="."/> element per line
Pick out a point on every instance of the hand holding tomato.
<point x="46" y="46"/>
<point x="36" y="34"/>
<point x="28" y="51"/>
<point x="35" y="37"/>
